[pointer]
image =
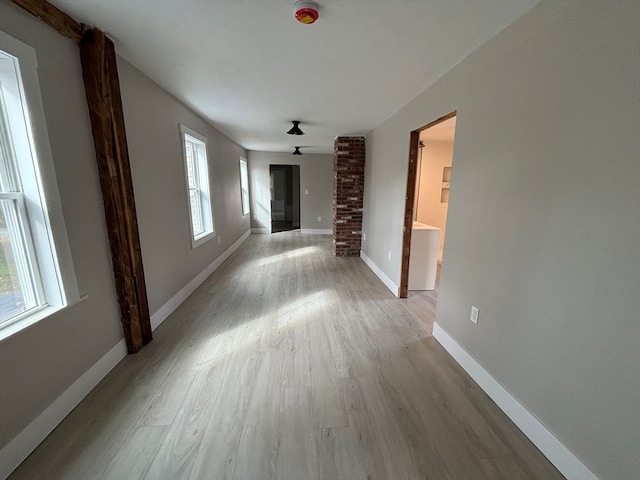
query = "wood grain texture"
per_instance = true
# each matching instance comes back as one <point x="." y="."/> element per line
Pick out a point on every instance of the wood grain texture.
<point x="100" y="74"/>
<point x="289" y="363"/>
<point x="53" y="16"/>
<point x="102" y="86"/>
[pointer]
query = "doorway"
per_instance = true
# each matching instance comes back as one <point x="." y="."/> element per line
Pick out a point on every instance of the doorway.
<point x="284" y="184"/>
<point x="427" y="198"/>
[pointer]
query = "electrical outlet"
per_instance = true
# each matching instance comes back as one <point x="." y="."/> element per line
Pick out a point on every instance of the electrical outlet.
<point x="364" y="237"/>
<point x="475" y="312"/>
<point x="218" y="238"/>
<point x="389" y="255"/>
<point x="255" y="217"/>
<point x="306" y="191"/>
<point x="319" y="219"/>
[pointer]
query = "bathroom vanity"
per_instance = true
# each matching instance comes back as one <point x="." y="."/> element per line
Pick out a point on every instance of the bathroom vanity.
<point x="423" y="259"/>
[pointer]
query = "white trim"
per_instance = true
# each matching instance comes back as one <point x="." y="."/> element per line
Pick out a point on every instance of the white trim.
<point x="563" y="459"/>
<point x="242" y="160"/>
<point x="202" y="177"/>
<point x="317" y="231"/>
<point x="260" y="230"/>
<point x="380" y="274"/>
<point x="10" y="328"/>
<point x="18" y="449"/>
<point x="38" y="178"/>
<point x="174" y="302"/>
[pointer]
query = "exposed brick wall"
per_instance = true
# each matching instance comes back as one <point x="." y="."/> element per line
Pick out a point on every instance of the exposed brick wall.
<point x="348" y="191"/>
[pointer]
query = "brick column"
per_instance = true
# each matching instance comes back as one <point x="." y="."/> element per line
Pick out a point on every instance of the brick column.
<point x="348" y="191"/>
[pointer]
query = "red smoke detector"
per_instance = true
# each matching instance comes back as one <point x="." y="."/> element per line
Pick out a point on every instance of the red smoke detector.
<point x="306" y="11"/>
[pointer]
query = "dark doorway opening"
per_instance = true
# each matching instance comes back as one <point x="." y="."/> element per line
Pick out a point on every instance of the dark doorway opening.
<point x="285" y="197"/>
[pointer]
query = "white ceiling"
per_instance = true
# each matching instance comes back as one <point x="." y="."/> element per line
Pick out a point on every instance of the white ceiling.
<point x="249" y="68"/>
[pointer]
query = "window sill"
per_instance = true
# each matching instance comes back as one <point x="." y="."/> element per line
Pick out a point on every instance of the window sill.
<point x="196" y="242"/>
<point x="27" y="321"/>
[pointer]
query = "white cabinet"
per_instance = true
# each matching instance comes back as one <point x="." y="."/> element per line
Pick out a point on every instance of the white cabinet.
<point x="423" y="259"/>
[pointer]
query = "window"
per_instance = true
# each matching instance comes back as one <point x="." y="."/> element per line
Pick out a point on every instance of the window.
<point x="36" y="271"/>
<point x="197" y="176"/>
<point x="244" y="185"/>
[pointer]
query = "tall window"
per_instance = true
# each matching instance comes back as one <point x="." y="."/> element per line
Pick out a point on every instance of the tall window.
<point x="36" y="272"/>
<point x="244" y="185"/>
<point x="197" y="176"/>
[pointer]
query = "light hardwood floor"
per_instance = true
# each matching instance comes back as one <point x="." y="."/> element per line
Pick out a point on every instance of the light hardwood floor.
<point x="288" y="363"/>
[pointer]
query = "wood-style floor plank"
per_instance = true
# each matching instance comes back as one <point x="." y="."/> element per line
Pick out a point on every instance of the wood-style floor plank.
<point x="289" y="363"/>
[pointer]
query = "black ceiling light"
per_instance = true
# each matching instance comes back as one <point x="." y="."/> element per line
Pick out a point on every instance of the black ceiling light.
<point x="296" y="151"/>
<point x="295" y="130"/>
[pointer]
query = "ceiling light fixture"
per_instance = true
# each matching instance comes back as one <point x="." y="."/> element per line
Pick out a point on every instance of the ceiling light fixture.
<point x="295" y="130"/>
<point x="296" y="151"/>
<point x="306" y="11"/>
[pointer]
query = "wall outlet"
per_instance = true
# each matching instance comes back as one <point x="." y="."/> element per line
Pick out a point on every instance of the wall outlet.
<point x="306" y="191"/>
<point x="389" y="255"/>
<point x="255" y="217"/>
<point x="475" y="312"/>
<point x="319" y="219"/>
<point x="364" y="237"/>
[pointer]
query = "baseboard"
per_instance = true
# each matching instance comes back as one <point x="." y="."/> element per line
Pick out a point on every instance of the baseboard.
<point x="317" y="231"/>
<point x="18" y="449"/>
<point x="380" y="274"/>
<point x="261" y="230"/>
<point x="559" y="455"/>
<point x="15" y="452"/>
<point x="174" y="302"/>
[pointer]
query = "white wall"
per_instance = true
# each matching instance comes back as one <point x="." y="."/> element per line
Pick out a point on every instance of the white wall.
<point x="316" y="176"/>
<point x="543" y="223"/>
<point x="40" y="362"/>
<point x="152" y="119"/>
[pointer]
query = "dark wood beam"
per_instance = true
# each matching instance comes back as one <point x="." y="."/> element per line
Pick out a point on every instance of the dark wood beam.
<point x="408" y="213"/>
<point x="102" y="87"/>
<point x="53" y="16"/>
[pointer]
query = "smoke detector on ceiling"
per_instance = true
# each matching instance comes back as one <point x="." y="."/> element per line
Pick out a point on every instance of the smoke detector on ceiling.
<point x="306" y="11"/>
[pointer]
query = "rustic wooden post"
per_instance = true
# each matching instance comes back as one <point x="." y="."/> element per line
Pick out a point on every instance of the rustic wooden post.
<point x="102" y="87"/>
<point x="408" y="214"/>
<point x="53" y="16"/>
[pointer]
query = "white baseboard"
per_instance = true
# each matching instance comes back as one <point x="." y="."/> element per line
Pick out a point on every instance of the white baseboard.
<point x="261" y="230"/>
<point x="559" y="455"/>
<point x="174" y="302"/>
<point x="317" y="231"/>
<point x="18" y="449"/>
<point x="14" y="453"/>
<point x="380" y="274"/>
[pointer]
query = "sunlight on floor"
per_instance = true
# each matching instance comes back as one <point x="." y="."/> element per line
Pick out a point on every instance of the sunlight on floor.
<point x="282" y="318"/>
<point x="287" y="255"/>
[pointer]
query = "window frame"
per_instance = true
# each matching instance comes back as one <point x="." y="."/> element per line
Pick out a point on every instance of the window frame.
<point x="245" y="198"/>
<point x="200" y="168"/>
<point x="37" y="196"/>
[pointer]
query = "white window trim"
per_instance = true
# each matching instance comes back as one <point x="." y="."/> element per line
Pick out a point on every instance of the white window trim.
<point x="242" y="197"/>
<point x="210" y="231"/>
<point x="47" y="224"/>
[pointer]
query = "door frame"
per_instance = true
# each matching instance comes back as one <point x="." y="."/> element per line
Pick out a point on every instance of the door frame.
<point x="412" y="171"/>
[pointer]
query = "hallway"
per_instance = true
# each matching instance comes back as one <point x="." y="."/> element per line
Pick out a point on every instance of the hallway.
<point x="289" y="363"/>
